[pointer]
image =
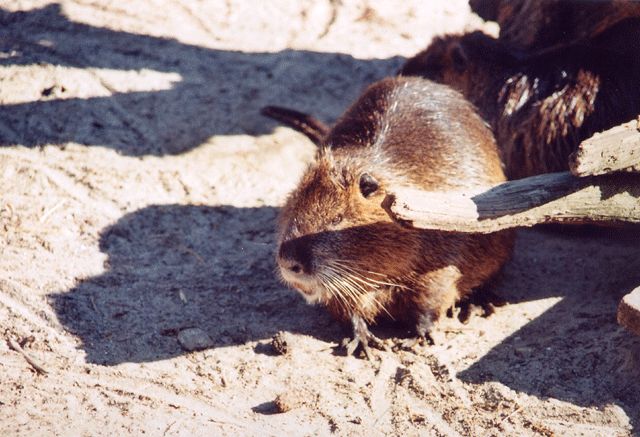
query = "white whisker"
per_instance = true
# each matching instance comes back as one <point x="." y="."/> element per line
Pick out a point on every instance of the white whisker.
<point x="354" y="288"/>
<point x="329" y="282"/>
<point x="357" y="287"/>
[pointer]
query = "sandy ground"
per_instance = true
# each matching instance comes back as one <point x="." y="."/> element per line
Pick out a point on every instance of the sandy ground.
<point x="138" y="191"/>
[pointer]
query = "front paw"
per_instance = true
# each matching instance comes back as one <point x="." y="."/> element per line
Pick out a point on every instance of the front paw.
<point x="424" y="334"/>
<point x="362" y="337"/>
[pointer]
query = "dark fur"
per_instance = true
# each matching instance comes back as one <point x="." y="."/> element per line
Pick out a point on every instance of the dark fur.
<point x="537" y="25"/>
<point x="313" y="128"/>
<point x="541" y="107"/>
<point x="401" y="131"/>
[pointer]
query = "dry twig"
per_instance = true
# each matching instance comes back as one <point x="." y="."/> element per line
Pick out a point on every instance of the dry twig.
<point x="16" y="347"/>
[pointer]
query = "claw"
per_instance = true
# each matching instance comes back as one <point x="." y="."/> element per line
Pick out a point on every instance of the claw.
<point x="409" y="344"/>
<point x="483" y="298"/>
<point x="362" y="337"/>
<point x="423" y="336"/>
<point x="465" y="312"/>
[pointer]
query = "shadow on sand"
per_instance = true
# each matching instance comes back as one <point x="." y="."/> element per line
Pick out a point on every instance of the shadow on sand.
<point x="218" y="92"/>
<point x="173" y="267"/>
<point x="575" y="351"/>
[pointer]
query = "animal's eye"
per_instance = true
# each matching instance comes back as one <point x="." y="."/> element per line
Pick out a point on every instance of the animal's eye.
<point x="368" y="185"/>
<point x="336" y="220"/>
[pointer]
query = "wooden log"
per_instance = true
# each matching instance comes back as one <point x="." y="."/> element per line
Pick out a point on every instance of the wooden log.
<point x="616" y="149"/>
<point x="549" y="198"/>
<point x="629" y="311"/>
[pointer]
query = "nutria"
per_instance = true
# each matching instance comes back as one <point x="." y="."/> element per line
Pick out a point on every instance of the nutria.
<point x="533" y="25"/>
<point x="540" y="107"/>
<point x="338" y="246"/>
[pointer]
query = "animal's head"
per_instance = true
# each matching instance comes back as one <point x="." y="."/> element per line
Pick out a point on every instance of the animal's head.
<point x="335" y="239"/>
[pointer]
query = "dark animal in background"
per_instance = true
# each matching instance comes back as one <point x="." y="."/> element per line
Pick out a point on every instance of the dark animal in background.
<point x="336" y="243"/>
<point x="533" y="26"/>
<point x="541" y="105"/>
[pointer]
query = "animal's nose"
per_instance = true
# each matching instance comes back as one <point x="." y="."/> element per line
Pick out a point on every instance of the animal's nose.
<point x="290" y="265"/>
<point x="295" y="255"/>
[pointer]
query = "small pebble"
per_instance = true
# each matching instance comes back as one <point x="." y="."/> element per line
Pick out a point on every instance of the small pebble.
<point x="194" y="339"/>
<point x="279" y="343"/>
<point x="288" y="401"/>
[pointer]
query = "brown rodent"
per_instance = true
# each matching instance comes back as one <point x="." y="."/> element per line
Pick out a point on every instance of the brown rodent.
<point x="338" y="246"/>
<point x="535" y="25"/>
<point x="540" y="107"/>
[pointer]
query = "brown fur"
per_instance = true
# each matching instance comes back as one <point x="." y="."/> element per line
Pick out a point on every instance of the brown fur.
<point x="541" y="107"/>
<point x="401" y="131"/>
<point x="535" y="25"/>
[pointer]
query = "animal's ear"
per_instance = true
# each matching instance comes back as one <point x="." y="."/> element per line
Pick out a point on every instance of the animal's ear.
<point x="313" y="128"/>
<point x="459" y="58"/>
<point x="368" y="185"/>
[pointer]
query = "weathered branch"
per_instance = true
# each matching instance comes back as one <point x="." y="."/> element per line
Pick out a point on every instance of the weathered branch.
<point x="16" y="347"/>
<point x="616" y="149"/>
<point x="549" y="198"/>
<point x="629" y="311"/>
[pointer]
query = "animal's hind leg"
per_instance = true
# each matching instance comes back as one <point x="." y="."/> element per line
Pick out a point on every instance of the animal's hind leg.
<point x="483" y="298"/>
